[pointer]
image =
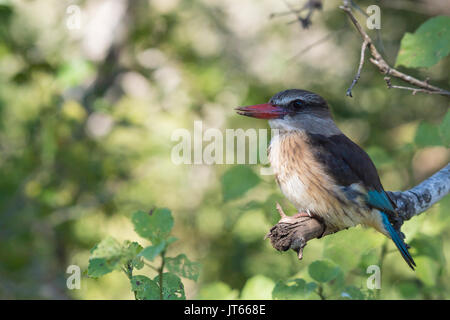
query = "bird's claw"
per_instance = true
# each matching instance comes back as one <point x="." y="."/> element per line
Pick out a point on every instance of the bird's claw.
<point x="298" y="245"/>
<point x="300" y="253"/>
<point x="280" y="211"/>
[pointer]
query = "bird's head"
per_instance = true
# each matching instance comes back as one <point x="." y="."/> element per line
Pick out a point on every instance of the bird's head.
<point x="290" y="102"/>
<point x="293" y="108"/>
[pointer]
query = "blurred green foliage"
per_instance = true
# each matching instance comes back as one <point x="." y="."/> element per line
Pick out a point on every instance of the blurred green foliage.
<point x="110" y="255"/>
<point x="237" y="181"/>
<point x="86" y="118"/>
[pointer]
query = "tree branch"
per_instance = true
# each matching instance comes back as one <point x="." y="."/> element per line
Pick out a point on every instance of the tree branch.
<point x="383" y="66"/>
<point x="294" y="232"/>
<point x="414" y="90"/>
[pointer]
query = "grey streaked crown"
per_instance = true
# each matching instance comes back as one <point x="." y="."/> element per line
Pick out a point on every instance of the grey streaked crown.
<point x="283" y="98"/>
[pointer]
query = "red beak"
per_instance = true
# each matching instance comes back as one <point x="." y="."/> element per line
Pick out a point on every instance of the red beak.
<point x="262" y="111"/>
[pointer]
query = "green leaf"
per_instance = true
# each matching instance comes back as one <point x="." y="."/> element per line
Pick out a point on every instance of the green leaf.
<point x="323" y="271"/>
<point x="145" y="288"/>
<point x="181" y="266"/>
<point x="170" y="240"/>
<point x="132" y="249"/>
<point x="428" y="135"/>
<point x="237" y="180"/>
<point x="429" y="44"/>
<point x="154" y="226"/>
<point x="107" y="248"/>
<point x="258" y="288"/>
<point x="293" y="289"/>
<point x="151" y="252"/>
<point x="98" y="267"/>
<point x="111" y="252"/>
<point x="137" y="263"/>
<point x="352" y="293"/>
<point x="109" y="255"/>
<point x="173" y="288"/>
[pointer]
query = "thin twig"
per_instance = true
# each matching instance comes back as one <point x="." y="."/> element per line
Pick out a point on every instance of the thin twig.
<point x="384" y="67"/>
<point x="414" y="90"/>
<point x="129" y="273"/>
<point x="161" y="272"/>
<point x="358" y="73"/>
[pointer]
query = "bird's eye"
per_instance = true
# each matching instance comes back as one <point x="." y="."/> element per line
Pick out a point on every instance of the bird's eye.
<point x="298" y="103"/>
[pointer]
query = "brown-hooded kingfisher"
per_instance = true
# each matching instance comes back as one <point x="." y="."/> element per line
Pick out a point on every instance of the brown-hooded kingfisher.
<point x="320" y="170"/>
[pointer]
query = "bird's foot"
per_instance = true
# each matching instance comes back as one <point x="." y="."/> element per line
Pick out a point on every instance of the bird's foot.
<point x="298" y="245"/>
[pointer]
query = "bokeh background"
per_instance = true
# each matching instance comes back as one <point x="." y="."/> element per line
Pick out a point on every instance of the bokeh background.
<point x="87" y="114"/>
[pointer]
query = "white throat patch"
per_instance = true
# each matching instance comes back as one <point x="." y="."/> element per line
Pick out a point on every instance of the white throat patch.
<point x="306" y="122"/>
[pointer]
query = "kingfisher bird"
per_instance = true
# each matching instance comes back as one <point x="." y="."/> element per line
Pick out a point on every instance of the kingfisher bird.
<point x="320" y="170"/>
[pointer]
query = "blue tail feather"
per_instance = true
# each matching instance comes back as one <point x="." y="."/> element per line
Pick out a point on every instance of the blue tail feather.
<point x="401" y="246"/>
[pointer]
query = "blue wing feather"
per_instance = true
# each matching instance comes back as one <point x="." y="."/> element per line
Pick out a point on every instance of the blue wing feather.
<point x="379" y="200"/>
